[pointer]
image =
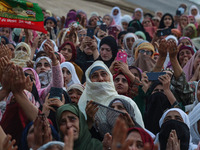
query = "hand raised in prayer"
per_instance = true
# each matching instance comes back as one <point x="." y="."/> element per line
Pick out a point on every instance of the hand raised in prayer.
<point x="69" y="140"/>
<point x="42" y="131"/>
<point x="29" y="64"/>
<point x="3" y="63"/>
<point x="173" y="143"/>
<point x="107" y="141"/>
<point x="165" y="80"/>
<point x="145" y="82"/>
<point x="5" y="51"/>
<point x="114" y="67"/>
<point x="91" y="110"/>
<point x="127" y="118"/>
<point x="50" y="52"/>
<point x="173" y="49"/>
<point x="8" y="144"/>
<point x="162" y="48"/>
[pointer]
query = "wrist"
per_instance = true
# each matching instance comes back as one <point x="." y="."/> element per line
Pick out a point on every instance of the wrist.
<point x="55" y="62"/>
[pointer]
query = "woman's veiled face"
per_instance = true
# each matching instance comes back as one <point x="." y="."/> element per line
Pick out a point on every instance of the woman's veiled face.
<point x="158" y="88"/>
<point x="43" y="66"/>
<point x="137" y="143"/>
<point x="67" y="76"/>
<point x="100" y="76"/>
<point x="75" y="95"/>
<point x="69" y="120"/>
<point x="173" y="115"/>
<point x="167" y="21"/>
<point x="107" y="20"/>
<point x="22" y="48"/>
<point x="66" y="51"/>
<point x="194" y="11"/>
<point x="184" y="56"/>
<point x="118" y="106"/>
<point x="105" y="52"/>
<point x="121" y="84"/>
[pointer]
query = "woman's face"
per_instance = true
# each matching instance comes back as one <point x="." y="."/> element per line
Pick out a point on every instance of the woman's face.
<point x="138" y="15"/>
<point x="93" y="21"/>
<point x="71" y="39"/>
<point x="75" y="95"/>
<point x="167" y="21"/>
<point x="118" y="106"/>
<point x="50" y="23"/>
<point x="198" y="92"/>
<point x="43" y="66"/>
<point x="192" y="19"/>
<point x="156" y="22"/>
<point x="196" y="61"/>
<point x="159" y="14"/>
<point x="173" y="115"/>
<point x="69" y="120"/>
<point x="121" y="84"/>
<point x="67" y="76"/>
<point x="189" y="31"/>
<point x="184" y="56"/>
<point x="101" y="34"/>
<point x="107" y="20"/>
<point x="100" y="76"/>
<point x="125" y="25"/>
<point x="137" y="143"/>
<point x="115" y="12"/>
<point x="129" y="42"/>
<point x="194" y="11"/>
<point x="22" y="48"/>
<point x="135" y="73"/>
<point x="158" y="88"/>
<point x="105" y="52"/>
<point x="5" y="32"/>
<point x="66" y="51"/>
<point x="186" y="42"/>
<point x="184" y="21"/>
<point x="81" y="35"/>
<point x="147" y="22"/>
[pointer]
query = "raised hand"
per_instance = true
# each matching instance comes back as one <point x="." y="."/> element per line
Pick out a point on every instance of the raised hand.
<point x="165" y="80"/>
<point x="50" y="52"/>
<point x="5" y="51"/>
<point x="107" y="141"/>
<point x="91" y="110"/>
<point x="173" y="143"/>
<point x="8" y="144"/>
<point x="162" y="48"/>
<point x="69" y="140"/>
<point x="173" y="49"/>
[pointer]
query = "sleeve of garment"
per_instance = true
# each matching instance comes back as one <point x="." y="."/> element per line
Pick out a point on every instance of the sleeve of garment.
<point x="57" y="81"/>
<point x="181" y="90"/>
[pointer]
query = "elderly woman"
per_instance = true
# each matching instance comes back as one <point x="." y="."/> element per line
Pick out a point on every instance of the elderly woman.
<point x="175" y="127"/>
<point x="69" y="116"/>
<point x="75" y="91"/>
<point x="100" y="88"/>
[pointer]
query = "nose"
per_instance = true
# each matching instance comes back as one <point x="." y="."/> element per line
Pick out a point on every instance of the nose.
<point x="101" y="79"/>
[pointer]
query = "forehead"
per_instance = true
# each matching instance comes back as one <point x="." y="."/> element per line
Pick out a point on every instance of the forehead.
<point x="173" y="113"/>
<point x="67" y="113"/>
<point x="43" y="61"/>
<point x="117" y="104"/>
<point x="105" y="46"/>
<point x="99" y="71"/>
<point x="121" y="76"/>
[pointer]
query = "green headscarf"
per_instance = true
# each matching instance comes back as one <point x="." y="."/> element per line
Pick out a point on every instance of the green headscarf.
<point x="194" y="28"/>
<point x="84" y="141"/>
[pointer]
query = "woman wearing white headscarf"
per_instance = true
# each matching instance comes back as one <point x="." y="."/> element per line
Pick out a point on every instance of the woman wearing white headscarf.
<point x="116" y="14"/>
<point x="184" y="119"/>
<point x="22" y="54"/>
<point x="125" y="21"/>
<point x="138" y="14"/>
<point x="194" y="11"/>
<point x="128" y="42"/>
<point x="54" y="45"/>
<point x="103" y="92"/>
<point x="74" y="78"/>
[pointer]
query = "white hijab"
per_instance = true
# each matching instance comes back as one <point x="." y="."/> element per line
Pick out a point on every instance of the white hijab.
<point x="104" y="93"/>
<point x="130" y="58"/>
<point x="55" y="46"/>
<point x="185" y="120"/>
<point x="117" y="18"/>
<point x="125" y="18"/>
<point x="197" y="17"/>
<point x="142" y="13"/>
<point x="72" y="70"/>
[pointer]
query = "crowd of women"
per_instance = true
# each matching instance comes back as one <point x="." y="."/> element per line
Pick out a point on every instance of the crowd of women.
<point x="90" y="83"/>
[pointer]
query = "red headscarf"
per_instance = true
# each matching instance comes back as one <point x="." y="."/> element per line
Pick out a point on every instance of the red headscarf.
<point x="146" y="138"/>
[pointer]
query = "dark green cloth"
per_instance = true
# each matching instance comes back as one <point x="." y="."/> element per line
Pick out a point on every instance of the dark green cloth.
<point x="85" y="141"/>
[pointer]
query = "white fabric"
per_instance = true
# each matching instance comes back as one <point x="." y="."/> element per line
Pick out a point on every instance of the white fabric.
<point x="167" y="58"/>
<point x="197" y="17"/>
<point x="80" y="87"/>
<point x="23" y="44"/>
<point x="142" y="14"/>
<point x="104" y="93"/>
<point x="47" y="145"/>
<point x="72" y="70"/>
<point x="130" y="57"/>
<point x="194" y="118"/>
<point x="55" y="47"/>
<point x="117" y="18"/>
<point x="40" y="58"/>
<point x="125" y="18"/>
<point x="185" y="120"/>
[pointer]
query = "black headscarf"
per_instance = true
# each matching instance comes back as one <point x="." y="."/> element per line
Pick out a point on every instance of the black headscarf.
<point x="110" y="41"/>
<point x="182" y="131"/>
<point x="162" y="25"/>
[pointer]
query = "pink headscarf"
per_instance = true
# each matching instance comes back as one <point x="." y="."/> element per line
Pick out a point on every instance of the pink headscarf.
<point x="188" y="68"/>
<point x="37" y="81"/>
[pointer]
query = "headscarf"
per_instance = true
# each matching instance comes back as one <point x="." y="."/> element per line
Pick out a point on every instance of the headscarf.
<point x="197" y="17"/>
<point x="84" y="141"/>
<point x="51" y="143"/>
<point x="73" y="50"/>
<point x="22" y="57"/>
<point x="112" y="21"/>
<point x="184" y="37"/>
<point x="188" y="68"/>
<point x="194" y="28"/>
<point x="69" y="66"/>
<point x="117" y="18"/>
<point x="176" y="33"/>
<point x="142" y="15"/>
<point x="55" y="22"/>
<point x="129" y="52"/>
<point x="77" y="86"/>
<point x="55" y="46"/>
<point x="40" y="58"/>
<point x="179" y="25"/>
<point x="146" y="138"/>
<point x="194" y="118"/>
<point x="111" y="42"/>
<point x="104" y="92"/>
<point x="146" y="46"/>
<point x="162" y="25"/>
<point x="126" y="18"/>
<point x="71" y="17"/>
<point x="140" y="33"/>
<point x="185" y="120"/>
